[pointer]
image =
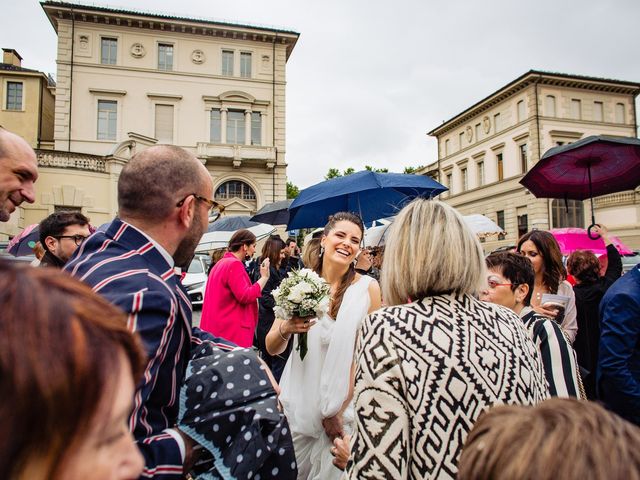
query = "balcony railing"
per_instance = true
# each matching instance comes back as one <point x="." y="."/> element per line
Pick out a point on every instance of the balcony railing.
<point x="236" y="153"/>
<point x="77" y="161"/>
<point x="621" y="198"/>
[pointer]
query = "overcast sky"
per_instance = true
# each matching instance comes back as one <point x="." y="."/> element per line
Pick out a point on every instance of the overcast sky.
<point x="369" y="78"/>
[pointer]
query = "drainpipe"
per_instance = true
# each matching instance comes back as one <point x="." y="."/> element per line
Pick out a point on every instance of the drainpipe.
<point x="273" y="117"/>
<point x="39" y="138"/>
<point x="635" y="118"/>
<point x="73" y="38"/>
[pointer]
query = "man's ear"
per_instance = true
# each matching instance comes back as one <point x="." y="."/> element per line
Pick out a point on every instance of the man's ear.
<point x="187" y="211"/>
<point x="50" y="243"/>
<point x="522" y="291"/>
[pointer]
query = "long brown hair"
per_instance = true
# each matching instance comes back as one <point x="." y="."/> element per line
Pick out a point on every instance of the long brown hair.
<point x="271" y="250"/>
<point x="553" y="269"/>
<point x="315" y="261"/>
<point x="59" y="349"/>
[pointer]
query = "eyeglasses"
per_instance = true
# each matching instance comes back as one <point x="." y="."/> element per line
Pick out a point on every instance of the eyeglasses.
<point x="493" y="283"/>
<point x="214" y="207"/>
<point x="78" y="239"/>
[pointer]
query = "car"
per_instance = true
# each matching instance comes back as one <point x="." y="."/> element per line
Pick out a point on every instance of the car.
<point x="195" y="280"/>
<point x="629" y="261"/>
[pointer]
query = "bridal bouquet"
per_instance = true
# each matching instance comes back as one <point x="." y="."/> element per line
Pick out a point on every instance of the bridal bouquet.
<point x="302" y="293"/>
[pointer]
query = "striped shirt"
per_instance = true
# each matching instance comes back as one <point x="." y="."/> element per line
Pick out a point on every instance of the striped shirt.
<point x="557" y="355"/>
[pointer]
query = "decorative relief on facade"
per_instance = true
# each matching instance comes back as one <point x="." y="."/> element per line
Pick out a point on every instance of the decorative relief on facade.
<point x="469" y="133"/>
<point x="486" y="124"/>
<point x="84" y="45"/>
<point x="138" y="50"/>
<point x="197" y="57"/>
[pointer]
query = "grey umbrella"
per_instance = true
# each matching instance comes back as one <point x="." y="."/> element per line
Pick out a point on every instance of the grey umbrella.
<point x="276" y="213"/>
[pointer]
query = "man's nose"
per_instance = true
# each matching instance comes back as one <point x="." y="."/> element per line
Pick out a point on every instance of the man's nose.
<point x="28" y="193"/>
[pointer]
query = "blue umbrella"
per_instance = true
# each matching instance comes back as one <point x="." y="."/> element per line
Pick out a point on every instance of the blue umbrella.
<point x="369" y="194"/>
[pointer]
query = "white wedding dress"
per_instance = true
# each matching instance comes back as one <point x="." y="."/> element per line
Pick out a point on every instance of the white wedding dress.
<point x="317" y="387"/>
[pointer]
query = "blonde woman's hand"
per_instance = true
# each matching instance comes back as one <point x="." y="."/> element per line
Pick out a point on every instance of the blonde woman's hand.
<point x="548" y="311"/>
<point x="333" y="426"/>
<point x="341" y="451"/>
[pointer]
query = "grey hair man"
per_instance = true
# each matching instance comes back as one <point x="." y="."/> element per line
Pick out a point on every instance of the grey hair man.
<point x="18" y="173"/>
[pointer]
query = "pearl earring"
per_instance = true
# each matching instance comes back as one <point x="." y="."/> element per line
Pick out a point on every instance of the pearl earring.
<point x="321" y="251"/>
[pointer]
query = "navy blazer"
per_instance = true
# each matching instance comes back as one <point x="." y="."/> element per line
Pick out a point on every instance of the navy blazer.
<point x="619" y="356"/>
<point x="122" y="265"/>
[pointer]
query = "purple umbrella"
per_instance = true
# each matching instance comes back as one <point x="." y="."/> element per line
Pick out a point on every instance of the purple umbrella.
<point x="593" y="166"/>
<point x="23" y="243"/>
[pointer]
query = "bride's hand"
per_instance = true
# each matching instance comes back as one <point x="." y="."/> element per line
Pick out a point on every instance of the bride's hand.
<point x="298" y="324"/>
<point x="333" y="426"/>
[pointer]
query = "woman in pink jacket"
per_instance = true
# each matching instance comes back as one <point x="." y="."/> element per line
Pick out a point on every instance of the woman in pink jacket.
<point x="230" y="308"/>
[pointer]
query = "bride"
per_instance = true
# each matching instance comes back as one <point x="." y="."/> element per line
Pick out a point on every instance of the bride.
<point x="317" y="391"/>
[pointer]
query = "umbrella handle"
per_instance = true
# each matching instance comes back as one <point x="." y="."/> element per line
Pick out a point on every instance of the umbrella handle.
<point x="592" y="237"/>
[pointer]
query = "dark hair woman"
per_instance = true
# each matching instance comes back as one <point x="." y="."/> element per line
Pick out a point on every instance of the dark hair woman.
<point x="317" y="391"/>
<point x="510" y="281"/>
<point x="68" y="368"/>
<point x="273" y="249"/>
<point x="589" y="290"/>
<point x="230" y="309"/>
<point x="543" y="250"/>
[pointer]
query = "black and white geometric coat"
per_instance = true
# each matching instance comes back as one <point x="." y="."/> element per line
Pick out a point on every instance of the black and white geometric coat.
<point x="425" y="372"/>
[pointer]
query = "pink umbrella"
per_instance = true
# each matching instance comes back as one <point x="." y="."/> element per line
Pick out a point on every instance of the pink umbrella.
<point x="571" y="239"/>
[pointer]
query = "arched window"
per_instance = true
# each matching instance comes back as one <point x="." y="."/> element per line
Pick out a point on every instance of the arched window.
<point x="550" y="106"/>
<point x="235" y="189"/>
<point x="567" y="215"/>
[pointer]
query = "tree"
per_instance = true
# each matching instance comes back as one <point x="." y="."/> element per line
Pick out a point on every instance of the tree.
<point x="376" y="170"/>
<point x="332" y="173"/>
<point x="410" y="170"/>
<point x="348" y="171"/>
<point x="292" y="190"/>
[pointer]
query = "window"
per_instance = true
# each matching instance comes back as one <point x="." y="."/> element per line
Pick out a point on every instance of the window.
<point x="235" y="127"/>
<point x="460" y="139"/>
<point x="463" y="177"/>
<point x="480" y="173"/>
<point x="567" y="215"/>
<point x="215" y="130"/>
<point x="496" y="123"/>
<point x="227" y="63"/>
<point x="521" y="112"/>
<point x="523" y="158"/>
<point x="449" y="182"/>
<point x="14" y="96"/>
<point x="598" y="111"/>
<point x="477" y="132"/>
<point x="523" y="223"/>
<point x="245" y="64"/>
<point x="550" y="106"/>
<point x="165" y="57"/>
<point x="446" y="147"/>
<point x="620" y="113"/>
<point x="235" y="189"/>
<point x="500" y="167"/>
<point x="108" y="51"/>
<point x="164" y="123"/>
<point x="107" y="119"/>
<point x="576" y="109"/>
<point x="500" y="222"/>
<point x="256" y="128"/>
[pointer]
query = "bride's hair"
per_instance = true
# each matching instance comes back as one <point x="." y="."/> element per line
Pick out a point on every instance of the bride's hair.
<point x="316" y="260"/>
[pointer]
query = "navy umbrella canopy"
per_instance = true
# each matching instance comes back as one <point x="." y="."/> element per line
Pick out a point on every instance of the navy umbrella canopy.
<point x="276" y="213"/>
<point x="369" y="194"/>
<point x="594" y="166"/>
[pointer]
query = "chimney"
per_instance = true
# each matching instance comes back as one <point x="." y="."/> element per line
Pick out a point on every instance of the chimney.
<point x="10" y="56"/>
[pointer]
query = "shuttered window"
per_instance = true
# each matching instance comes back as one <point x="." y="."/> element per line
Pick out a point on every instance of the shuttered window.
<point x="164" y="123"/>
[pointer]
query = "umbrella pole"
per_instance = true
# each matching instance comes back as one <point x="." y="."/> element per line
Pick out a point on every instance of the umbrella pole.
<point x="593" y="215"/>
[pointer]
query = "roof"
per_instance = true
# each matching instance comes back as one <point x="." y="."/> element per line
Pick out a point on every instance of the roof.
<point x="50" y="6"/>
<point x="7" y="67"/>
<point x="537" y="76"/>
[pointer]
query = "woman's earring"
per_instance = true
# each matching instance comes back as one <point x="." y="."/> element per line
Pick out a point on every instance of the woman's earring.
<point x="321" y="251"/>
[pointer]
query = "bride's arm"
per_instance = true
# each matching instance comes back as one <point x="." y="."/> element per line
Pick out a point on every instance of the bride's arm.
<point x="333" y="426"/>
<point x="281" y="330"/>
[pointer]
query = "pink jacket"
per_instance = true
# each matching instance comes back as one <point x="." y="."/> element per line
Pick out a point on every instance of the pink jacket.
<point x="230" y="308"/>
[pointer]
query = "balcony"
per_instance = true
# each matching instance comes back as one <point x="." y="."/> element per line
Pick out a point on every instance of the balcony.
<point x="76" y="161"/>
<point x="617" y="199"/>
<point x="237" y="154"/>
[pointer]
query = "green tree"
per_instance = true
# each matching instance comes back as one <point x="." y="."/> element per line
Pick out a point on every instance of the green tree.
<point x="410" y="170"/>
<point x="348" y="171"/>
<point x="292" y="190"/>
<point x="332" y="173"/>
<point x="376" y="170"/>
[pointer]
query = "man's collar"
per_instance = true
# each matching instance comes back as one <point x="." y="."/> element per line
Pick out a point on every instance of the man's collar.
<point x="158" y="247"/>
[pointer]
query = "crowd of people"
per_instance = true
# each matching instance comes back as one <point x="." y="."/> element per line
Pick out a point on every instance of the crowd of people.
<point x="432" y="360"/>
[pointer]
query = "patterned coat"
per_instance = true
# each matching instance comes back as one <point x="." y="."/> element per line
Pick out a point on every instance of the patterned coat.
<point x="425" y="372"/>
<point x="122" y="265"/>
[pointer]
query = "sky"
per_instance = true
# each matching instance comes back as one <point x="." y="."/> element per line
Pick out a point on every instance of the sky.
<point x="369" y="78"/>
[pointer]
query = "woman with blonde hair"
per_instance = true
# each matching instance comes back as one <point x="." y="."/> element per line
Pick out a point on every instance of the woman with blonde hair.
<point x="317" y="391"/>
<point x="433" y="360"/>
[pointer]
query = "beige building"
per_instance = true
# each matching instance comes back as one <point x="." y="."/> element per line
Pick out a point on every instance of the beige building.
<point x="484" y="151"/>
<point x="127" y="80"/>
<point x="27" y="109"/>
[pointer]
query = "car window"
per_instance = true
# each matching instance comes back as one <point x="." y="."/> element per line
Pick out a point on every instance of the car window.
<point x="195" y="266"/>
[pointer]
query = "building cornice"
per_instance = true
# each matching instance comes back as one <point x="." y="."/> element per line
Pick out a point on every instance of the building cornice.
<point x="542" y="78"/>
<point x="160" y="22"/>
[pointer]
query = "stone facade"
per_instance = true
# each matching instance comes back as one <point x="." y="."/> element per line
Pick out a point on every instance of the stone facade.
<point x="127" y="80"/>
<point x="484" y="151"/>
